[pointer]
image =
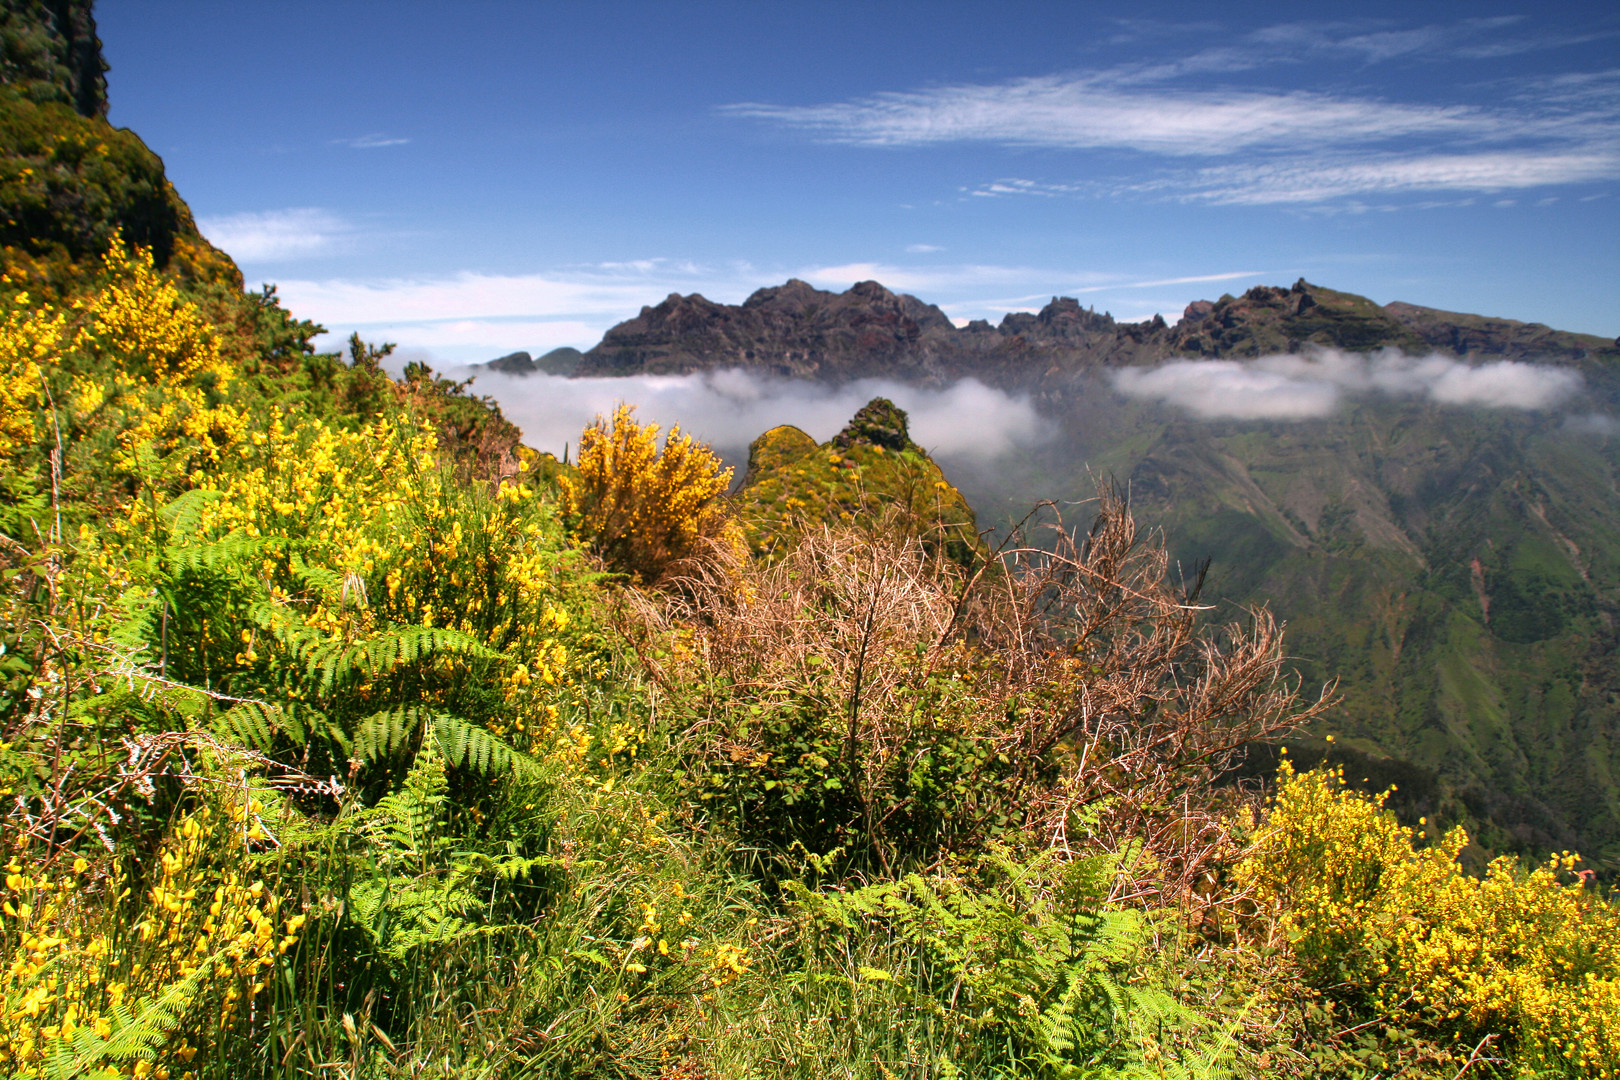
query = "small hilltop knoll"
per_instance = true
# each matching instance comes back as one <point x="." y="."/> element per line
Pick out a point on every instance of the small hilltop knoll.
<point x="798" y="331"/>
<point x="870" y="471"/>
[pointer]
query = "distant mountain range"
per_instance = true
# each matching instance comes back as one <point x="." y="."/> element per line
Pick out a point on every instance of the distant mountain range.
<point x="1457" y="567"/>
<point x="796" y="330"/>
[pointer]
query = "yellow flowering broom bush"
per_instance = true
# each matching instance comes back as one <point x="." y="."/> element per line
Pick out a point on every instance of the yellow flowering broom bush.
<point x="100" y="978"/>
<point x="125" y="386"/>
<point x="645" y="508"/>
<point x="1531" y="957"/>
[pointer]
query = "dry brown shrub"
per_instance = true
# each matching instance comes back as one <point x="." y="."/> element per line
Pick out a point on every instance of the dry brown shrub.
<point x="1089" y="682"/>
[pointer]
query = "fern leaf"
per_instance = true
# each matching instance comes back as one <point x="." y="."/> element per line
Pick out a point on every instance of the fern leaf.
<point x="253" y="724"/>
<point x="468" y="746"/>
<point x="181" y="515"/>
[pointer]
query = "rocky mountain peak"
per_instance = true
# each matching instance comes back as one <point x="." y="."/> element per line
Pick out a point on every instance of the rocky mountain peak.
<point x="880" y="422"/>
<point x="796" y="330"/>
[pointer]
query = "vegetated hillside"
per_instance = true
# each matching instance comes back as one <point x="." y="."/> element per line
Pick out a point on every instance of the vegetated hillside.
<point x="1459" y="572"/>
<point x="343" y="737"/>
<point x="1455" y="566"/>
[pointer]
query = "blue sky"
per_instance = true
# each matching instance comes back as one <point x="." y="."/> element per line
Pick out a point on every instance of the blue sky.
<point x="468" y="178"/>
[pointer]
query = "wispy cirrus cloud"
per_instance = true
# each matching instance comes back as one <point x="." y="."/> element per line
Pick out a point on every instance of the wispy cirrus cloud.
<point x="372" y="141"/>
<point x="1317" y="180"/>
<point x="1010" y="185"/>
<point x="273" y="235"/>
<point x="1098" y="111"/>
<point x="1366" y="41"/>
<point x="1234" y="143"/>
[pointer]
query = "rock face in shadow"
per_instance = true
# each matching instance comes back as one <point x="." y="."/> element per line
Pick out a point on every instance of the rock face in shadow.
<point x="70" y="183"/>
<point x="49" y="50"/>
<point x="563" y="361"/>
<point x="798" y="331"/>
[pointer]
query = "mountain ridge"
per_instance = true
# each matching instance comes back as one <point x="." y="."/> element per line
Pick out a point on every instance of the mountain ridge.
<point x="795" y="330"/>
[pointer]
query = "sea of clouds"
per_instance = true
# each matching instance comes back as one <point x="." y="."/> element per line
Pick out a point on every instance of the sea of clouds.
<point x="969" y="422"/>
<point x="730" y="408"/>
<point x="1303" y="387"/>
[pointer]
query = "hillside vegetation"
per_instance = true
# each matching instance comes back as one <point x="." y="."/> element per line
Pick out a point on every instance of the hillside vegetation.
<point x="343" y="735"/>
<point x="1455" y="563"/>
<point x="335" y="746"/>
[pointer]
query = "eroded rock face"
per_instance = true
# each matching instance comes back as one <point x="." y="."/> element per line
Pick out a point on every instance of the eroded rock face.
<point x="793" y="330"/>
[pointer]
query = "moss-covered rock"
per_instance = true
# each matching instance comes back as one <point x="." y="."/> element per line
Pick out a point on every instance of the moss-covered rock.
<point x="871" y="472"/>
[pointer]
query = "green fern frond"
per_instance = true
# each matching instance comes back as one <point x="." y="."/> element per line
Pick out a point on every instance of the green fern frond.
<point x="181" y="515"/>
<point x="137" y="1033"/>
<point x="235" y="549"/>
<point x="333" y="661"/>
<point x="253" y="724"/>
<point x="384" y="734"/>
<point x="468" y="746"/>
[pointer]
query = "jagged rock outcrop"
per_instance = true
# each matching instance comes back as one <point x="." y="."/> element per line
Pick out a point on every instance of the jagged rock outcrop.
<point x="791" y="330"/>
<point x="1272" y="320"/>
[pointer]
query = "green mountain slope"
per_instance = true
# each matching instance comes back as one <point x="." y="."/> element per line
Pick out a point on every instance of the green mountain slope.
<point x="1457" y="570"/>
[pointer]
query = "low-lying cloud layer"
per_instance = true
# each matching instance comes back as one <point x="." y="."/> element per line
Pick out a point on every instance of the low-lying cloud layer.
<point x="1292" y="387"/>
<point x="729" y="409"/>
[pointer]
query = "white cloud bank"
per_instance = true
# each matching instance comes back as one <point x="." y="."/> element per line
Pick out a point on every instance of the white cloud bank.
<point x="730" y="408"/>
<point x="272" y="235"/>
<point x="1292" y="387"/>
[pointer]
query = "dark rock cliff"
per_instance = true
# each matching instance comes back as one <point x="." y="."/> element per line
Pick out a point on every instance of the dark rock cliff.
<point x="70" y="182"/>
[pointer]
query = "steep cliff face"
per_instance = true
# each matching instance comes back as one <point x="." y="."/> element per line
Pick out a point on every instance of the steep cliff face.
<point x="70" y="182"/>
<point x="49" y="50"/>
<point x="796" y="330"/>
